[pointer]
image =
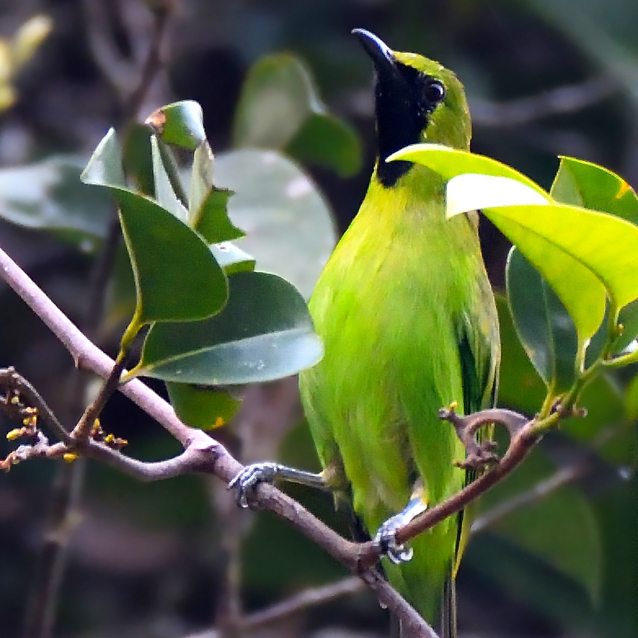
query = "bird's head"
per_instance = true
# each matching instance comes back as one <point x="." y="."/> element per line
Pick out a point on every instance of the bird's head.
<point x="416" y="100"/>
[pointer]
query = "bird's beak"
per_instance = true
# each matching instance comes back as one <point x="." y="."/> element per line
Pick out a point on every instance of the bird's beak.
<point x="380" y="53"/>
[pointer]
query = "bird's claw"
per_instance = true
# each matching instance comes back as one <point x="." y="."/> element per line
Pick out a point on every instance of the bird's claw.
<point x="385" y="539"/>
<point x="247" y="480"/>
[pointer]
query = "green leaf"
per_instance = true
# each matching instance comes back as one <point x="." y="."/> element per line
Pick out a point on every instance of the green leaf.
<point x="276" y="99"/>
<point x="105" y="166"/>
<point x="164" y="193"/>
<point x="520" y="387"/>
<point x="607" y="246"/>
<point x="289" y="225"/>
<point x="591" y="186"/>
<point x="585" y="184"/>
<point x="176" y="275"/>
<point x="263" y="333"/>
<point x="572" y="247"/>
<point x="136" y="156"/>
<point x="231" y="258"/>
<point x="559" y="529"/>
<point x="452" y="162"/>
<point x="208" y="204"/>
<point x="180" y="123"/>
<point x="202" y="407"/>
<point x="325" y="140"/>
<point x="279" y="108"/>
<point x="542" y="323"/>
<point x="49" y="195"/>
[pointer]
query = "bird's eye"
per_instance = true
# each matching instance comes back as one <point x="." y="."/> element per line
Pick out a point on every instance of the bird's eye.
<point x="434" y="92"/>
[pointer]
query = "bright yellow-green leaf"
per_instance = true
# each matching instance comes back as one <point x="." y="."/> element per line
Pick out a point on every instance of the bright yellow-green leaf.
<point x="579" y="252"/>
<point x="471" y="191"/>
<point x="450" y="162"/>
<point x="581" y="292"/>
<point x="589" y="185"/>
<point x="604" y="244"/>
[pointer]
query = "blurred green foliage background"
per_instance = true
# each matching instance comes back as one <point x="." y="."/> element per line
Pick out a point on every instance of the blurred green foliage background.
<point x="543" y="78"/>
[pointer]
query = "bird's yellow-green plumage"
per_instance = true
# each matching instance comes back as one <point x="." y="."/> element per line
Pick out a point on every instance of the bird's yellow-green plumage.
<point x="409" y="325"/>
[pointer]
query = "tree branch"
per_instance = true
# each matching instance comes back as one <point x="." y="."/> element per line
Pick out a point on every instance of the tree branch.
<point x="294" y="605"/>
<point x="204" y="454"/>
<point x="564" y="99"/>
<point x="524" y="436"/>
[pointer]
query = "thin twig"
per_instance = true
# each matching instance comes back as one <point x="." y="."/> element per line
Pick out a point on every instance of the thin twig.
<point x="152" y="61"/>
<point x="87" y="355"/>
<point x="119" y="72"/>
<point x="11" y="379"/>
<point x="565" y="99"/>
<point x="561" y="478"/>
<point x="293" y="606"/>
<point x="83" y="428"/>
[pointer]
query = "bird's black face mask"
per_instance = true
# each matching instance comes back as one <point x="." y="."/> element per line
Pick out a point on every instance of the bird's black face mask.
<point x="404" y="97"/>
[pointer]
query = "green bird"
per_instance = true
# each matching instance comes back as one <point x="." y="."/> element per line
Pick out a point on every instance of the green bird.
<point x="409" y="325"/>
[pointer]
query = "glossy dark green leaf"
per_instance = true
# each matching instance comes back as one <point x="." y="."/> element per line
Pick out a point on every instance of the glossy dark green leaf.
<point x="164" y="193"/>
<point x="208" y="204"/>
<point x="202" y="407"/>
<point x="177" y="278"/>
<point x="49" y="195"/>
<point x="208" y="212"/>
<point x="288" y="224"/>
<point x="136" y="156"/>
<point x="263" y="333"/>
<point x="559" y="529"/>
<point x="176" y="275"/>
<point x="520" y="387"/>
<point x="180" y="123"/>
<point x="325" y="140"/>
<point x="279" y="108"/>
<point x="542" y="323"/>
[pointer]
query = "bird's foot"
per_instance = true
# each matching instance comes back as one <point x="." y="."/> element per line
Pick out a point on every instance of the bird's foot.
<point x="385" y="538"/>
<point x="480" y="455"/>
<point x="247" y="480"/>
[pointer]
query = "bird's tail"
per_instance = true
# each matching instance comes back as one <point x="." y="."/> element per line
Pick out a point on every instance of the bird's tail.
<point x="448" y="609"/>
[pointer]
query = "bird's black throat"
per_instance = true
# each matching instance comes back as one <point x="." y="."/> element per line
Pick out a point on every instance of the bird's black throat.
<point x="401" y="116"/>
